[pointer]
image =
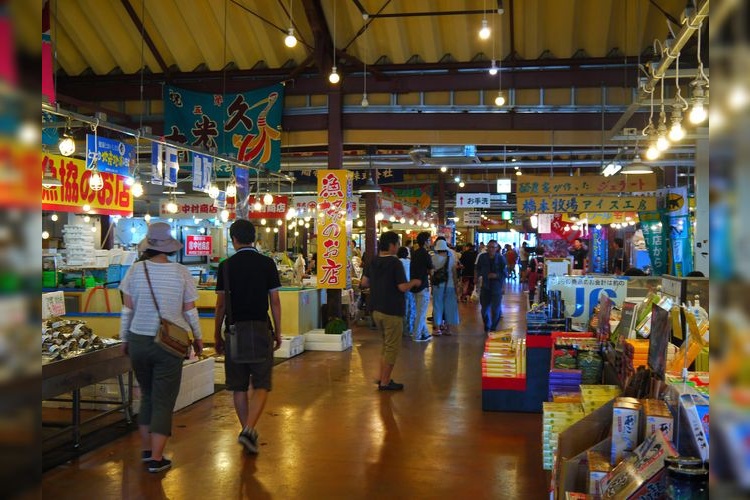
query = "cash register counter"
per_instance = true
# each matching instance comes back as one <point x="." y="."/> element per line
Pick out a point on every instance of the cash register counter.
<point x="300" y="313"/>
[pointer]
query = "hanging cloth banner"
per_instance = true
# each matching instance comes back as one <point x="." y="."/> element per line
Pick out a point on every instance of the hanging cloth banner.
<point x="655" y="227"/>
<point x="157" y="163"/>
<point x="172" y="168"/>
<point x="334" y="189"/>
<point x="202" y="167"/>
<point x="242" y="208"/>
<point x="245" y="125"/>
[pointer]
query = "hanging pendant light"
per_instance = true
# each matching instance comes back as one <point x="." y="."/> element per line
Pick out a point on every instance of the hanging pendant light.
<point x="268" y="199"/>
<point x="232" y="189"/>
<point x="96" y="181"/>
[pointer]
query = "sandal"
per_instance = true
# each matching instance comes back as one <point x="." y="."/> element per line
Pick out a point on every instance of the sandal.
<point x="436" y="333"/>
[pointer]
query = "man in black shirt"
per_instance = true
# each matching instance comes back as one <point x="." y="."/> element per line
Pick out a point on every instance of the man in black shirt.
<point x="421" y="268"/>
<point x="387" y="282"/>
<point x="468" y="261"/>
<point x="253" y="283"/>
<point x="579" y="251"/>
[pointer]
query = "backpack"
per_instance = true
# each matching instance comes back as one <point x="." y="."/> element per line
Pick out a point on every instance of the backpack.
<point x="440" y="276"/>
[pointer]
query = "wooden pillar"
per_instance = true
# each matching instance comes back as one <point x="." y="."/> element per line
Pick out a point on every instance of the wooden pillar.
<point x="335" y="161"/>
<point x="371" y="227"/>
<point x="441" y="198"/>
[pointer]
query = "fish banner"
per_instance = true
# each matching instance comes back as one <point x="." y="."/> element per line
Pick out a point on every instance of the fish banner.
<point x="245" y="125"/>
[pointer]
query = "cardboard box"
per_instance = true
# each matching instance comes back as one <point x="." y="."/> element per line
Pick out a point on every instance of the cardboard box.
<point x="694" y="406"/>
<point x="657" y="417"/>
<point x="625" y="428"/>
<point x="598" y="464"/>
<point x="291" y="346"/>
<point x="639" y="468"/>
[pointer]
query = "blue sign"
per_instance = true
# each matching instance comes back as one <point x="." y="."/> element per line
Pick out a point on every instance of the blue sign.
<point x="111" y="156"/>
<point x="202" y="167"/>
<point x="245" y="125"/>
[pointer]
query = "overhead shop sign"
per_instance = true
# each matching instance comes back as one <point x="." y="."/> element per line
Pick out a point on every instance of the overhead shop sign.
<point x="275" y="210"/>
<point x="197" y="245"/>
<point x="473" y="200"/>
<point x="110" y="155"/>
<point x="545" y="185"/>
<point x="113" y="199"/>
<point x="472" y="218"/>
<point x="244" y="125"/>
<point x="554" y="204"/>
<point x="187" y="208"/>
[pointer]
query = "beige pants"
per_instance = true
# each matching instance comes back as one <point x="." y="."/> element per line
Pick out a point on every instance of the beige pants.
<point x="391" y="328"/>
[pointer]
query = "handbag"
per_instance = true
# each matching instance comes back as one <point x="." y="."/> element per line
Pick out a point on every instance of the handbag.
<point x="440" y="276"/>
<point x="171" y="337"/>
<point x="247" y="341"/>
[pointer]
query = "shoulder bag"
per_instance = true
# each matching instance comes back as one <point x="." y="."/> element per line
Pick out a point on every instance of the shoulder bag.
<point x="247" y="341"/>
<point x="171" y="337"/>
<point x="440" y="276"/>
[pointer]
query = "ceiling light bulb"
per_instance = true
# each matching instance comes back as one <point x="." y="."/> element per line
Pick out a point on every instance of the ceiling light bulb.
<point x="443" y="169"/>
<point x="45" y="235"/>
<point x="279" y="222"/>
<point x="598" y="227"/>
<point x="213" y="191"/>
<point x="67" y="146"/>
<point x="379" y="216"/>
<point x="296" y="233"/>
<point x="392" y="218"/>
<point x="662" y="143"/>
<point x="257" y="206"/>
<point x="676" y="132"/>
<point x="172" y="207"/>
<point x="96" y="181"/>
<point x="652" y="153"/>
<point x="263" y="222"/>
<point x="493" y="68"/>
<point x="461" y="184"/>
<point x="137" y="189"/>
<point x="300" y="222"/>
<point x="698" y="113"/>
<point x="87" y="219"/>
<point x="268" y="199"/>
<point x="738" y="97"/>
<point x="268" y="229"/>
<point x="54" y="217"/>
<point x="307" y="225"/>
<point x="457" y="179"/>
<point x="360" y="223"/>
<point x="231" y="190"/>
<point x="147" y="218"/>
<point x="276" y="230"/>
<point x="500" y="99"/>
<point x="518" y="172"/>
<point x="93" y="229"/>
<point x="365" y="102"/>
<point x="484" y="32"/>
<point x="290" y="40"/>
<point x="411" y="222"/>
<point x="334" y="76"/>
<point x="86" y="208"/>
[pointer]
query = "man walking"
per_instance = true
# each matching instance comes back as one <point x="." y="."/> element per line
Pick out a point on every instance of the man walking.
<point x="253" y="282"/>
<point x="387" y="282"/>
<point x="490" y="275"/>
<point x="421" y="267"/>
<point x="468" y="261"/>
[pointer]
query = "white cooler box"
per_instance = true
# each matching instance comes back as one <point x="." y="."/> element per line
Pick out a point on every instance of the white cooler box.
<point x="318" y="340"/>
<point x="291" y="346"/>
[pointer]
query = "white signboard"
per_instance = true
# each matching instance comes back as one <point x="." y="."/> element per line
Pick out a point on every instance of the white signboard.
<point x="472" y="218"/>
<point x="504" y="186"/>
<point x="187" y="208"/>
<point x="473" y="200"/>
<point x="202" y="168"/>
<point x="545" y="223"/>
<point x="53" y="304"/>
<point x="581" y="294"/>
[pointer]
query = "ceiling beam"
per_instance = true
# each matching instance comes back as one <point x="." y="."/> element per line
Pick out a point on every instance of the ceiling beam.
<point x="139" y="24"/>
<point x="322" y="39"/>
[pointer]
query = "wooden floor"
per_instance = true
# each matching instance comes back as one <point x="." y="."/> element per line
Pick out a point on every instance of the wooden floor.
<point x="328" y="433"/>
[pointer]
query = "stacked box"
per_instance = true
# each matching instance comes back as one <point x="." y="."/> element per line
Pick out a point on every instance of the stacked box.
<point x="598" y="468"/>
<point x="556" y="418"/>
<point x="657" y="418"/>
<point x="566" y="397"/>
<point x="561" y="380"/>
<point x="504" y="357"/>
<point x="594" y="397"/>
<point x="640" y="475"/>
<point x="625" y="428"/>
<point x="640" y="349"/>
<point x="318" y="340"/>
<point x="197" y="382"/>
<point x="79" y="245"/>
<point x="291" y="346"/>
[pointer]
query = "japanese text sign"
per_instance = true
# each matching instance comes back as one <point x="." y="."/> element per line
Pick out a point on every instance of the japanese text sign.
<point x="200" y="208"/>
<point x="202" y="167"/>
<point x="111" y="156"/>
<point x="554" y="204"/>
<point x="113" y="199"/>
<point x="198" y="245"/>
<point x="275" y="210"/>
<point x="334" y="190"/>
<point x="581" y="294"/>
<point x="564" y="185"/>
<point x="655" y="227"/>
<point x="473" y="200"/>
<point x="472" y="218"/>
<point x="245" y="125"/>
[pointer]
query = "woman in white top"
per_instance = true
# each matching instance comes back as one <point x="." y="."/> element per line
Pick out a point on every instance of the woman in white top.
<point x="410" y="313"/>
<point x="444" y="297"/>
<point x="158" y="372"/>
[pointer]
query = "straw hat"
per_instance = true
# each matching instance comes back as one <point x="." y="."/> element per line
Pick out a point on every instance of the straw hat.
<point x="159" y="238"/>
<point x="441" y="246"/>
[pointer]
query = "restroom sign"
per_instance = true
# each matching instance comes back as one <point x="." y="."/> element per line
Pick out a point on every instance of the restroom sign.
<point x="198" y="245"/>
<point x="473" y="200"/>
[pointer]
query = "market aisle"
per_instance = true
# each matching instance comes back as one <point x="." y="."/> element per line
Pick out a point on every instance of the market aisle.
<point x="328" y="433"/>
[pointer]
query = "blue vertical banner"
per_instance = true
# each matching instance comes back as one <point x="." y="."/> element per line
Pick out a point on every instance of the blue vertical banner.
<point x="172" y="168"/>
<point x="157" y="163"/>
<point x="599" y="249"/>
<point x="245" y="125"/>
<point x="202" y="167"/>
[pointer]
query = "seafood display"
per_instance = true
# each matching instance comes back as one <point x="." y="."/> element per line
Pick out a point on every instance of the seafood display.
<point x="65" y="338"/>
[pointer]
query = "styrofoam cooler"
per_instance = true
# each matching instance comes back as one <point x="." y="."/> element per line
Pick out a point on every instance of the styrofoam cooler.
<point x="291" y="346"/>
<point x="318" y="340"/>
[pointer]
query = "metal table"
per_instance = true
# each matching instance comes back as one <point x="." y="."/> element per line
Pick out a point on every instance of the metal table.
<point x="72" y="374"/>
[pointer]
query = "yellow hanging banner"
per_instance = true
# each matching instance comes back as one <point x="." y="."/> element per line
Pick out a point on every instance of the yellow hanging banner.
<point x="334" y="190"/>
<point x="560" y="204"/>
<point x="536" y="185"/>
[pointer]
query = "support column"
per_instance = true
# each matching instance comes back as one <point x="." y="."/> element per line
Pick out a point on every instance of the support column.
<point x="441" y="198"/>
<point x="371" y="227"/>
<point x="701" y="249"/>
<point x="335" y="161"/>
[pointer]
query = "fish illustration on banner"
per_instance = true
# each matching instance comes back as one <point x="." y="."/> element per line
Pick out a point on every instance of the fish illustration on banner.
<point x="245" y="125"/>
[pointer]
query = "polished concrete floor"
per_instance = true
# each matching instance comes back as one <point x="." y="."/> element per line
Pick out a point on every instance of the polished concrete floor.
<point x="328" y="433"/>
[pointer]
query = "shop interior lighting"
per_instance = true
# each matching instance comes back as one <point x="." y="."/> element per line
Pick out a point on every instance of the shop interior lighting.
<point x="493" y="67"/>
<point x="257" y="206"/>
<point x="290" y="40"/>
<point x="738" y="97"/>
<point x="67" y="145"/>
<point x="54" y="217"/>
<point x="662" y="141"/>
<point x="276" y="230"/>
<point x="611" y="169"/>
<point x="279" y="222"/>
<point x="263" y="222"/>
<point x="147" y="217"/>
<point x="518" y="171"/>
<point x="93" y="229"/>
<point x="296" y="233"/>
<point x="45" y="235"/>
<point x="392" y="218"/>
<point x="307" y="225"/>
<point x="300" y="222"/>
<point x="96" y="181"/>
<point x="457" y="179"/>
<point x="334" y="77"/>
<point x="172" y="206"/>
<point x="29" y="133"/>
<point x="86" y="208"/>
<point x="213" y="191"/>
<point x="461" y="184"/>
<point x="598" y="227"/>
<point x="443" y="169"/>
<point x="232" y="189"/>
<point x="676" y="131"/>
<point x="49" y="180"/>
<point x="699" y="85"/>
<point x="137" y="188"/>
<point x="268" y="199"/>
<point x="370" y="187"/>
<point x="534" y="219"/>
<point x="637" y="167"/>
<point x="484" y="31"/>
<point x="86" y="219"/>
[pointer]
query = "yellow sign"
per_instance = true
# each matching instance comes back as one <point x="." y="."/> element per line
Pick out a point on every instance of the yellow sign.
<point x="530" y="205"/>
<point x="113" y="199"/>
<point x="334" y="190"/>
<point x="535" y="185"/>
<point x="609" y="217"/>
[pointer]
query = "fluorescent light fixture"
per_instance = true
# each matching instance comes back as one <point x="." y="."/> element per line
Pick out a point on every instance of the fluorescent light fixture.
<point x="611" y="169"/>
<point x="637" y="167"/>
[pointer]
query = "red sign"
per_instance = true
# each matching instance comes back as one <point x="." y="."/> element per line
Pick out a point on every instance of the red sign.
<point x="275" y="210"/>
<point x="198" y="245"/>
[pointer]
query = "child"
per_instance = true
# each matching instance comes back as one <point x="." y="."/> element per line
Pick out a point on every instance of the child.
<point x="533" y="277"/>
